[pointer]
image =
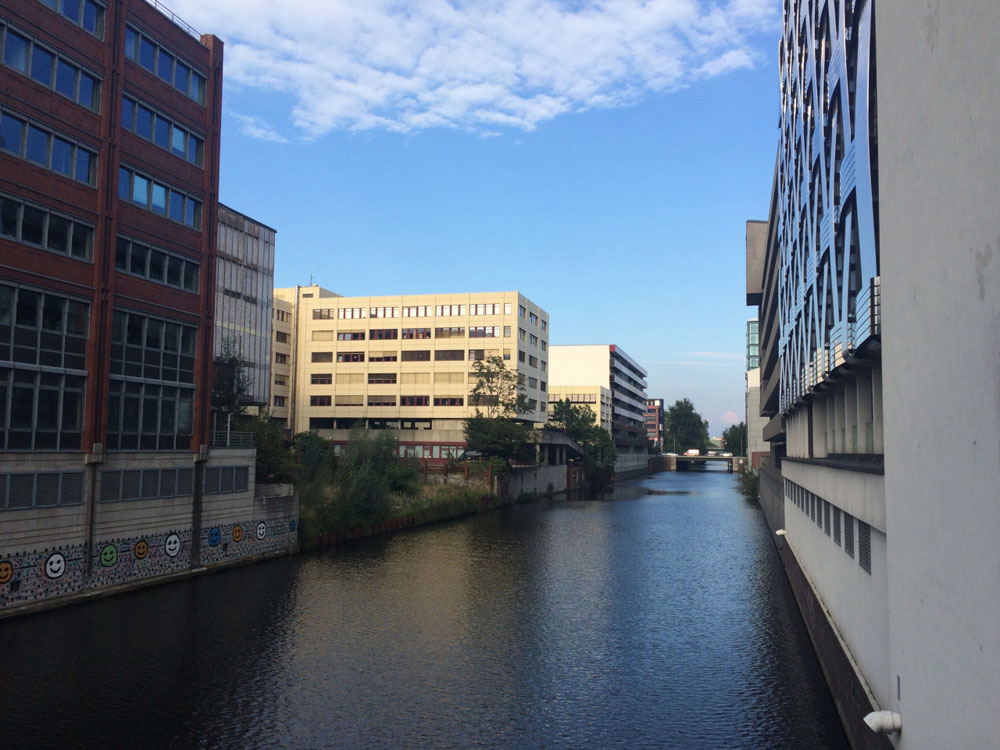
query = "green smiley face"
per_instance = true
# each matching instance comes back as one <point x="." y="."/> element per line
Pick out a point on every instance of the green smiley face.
<point x="109" y="555"/>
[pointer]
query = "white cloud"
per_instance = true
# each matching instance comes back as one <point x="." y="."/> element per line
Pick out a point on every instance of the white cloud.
<point x="473" y="64"/>
<point x="255" y="127"/>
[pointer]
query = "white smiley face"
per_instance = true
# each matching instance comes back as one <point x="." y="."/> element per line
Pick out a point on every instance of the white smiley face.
<point x="172" y="545"/>
<point x="55" y="566"/>
<point x="261" y="530"/>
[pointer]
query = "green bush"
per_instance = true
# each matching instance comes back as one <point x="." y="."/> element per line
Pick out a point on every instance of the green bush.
<point x="750" y="484"/>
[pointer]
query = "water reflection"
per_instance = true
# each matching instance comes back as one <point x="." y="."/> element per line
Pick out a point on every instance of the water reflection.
<point x="660" y="618"/>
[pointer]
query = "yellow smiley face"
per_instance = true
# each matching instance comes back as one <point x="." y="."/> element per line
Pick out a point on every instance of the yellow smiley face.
<point x="6" y="571"/>
<point x="141" y="549"/>
<point x="237" y="533"/>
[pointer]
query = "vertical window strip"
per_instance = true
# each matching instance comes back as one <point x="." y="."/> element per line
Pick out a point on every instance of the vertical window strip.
<point x="865" y="546"/>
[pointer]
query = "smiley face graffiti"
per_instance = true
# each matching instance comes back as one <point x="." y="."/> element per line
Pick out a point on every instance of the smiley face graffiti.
<point x="279" y="527"/>
<point x="291" y="526"/>
<point x="6" y="571"/>
<point x="172" y="545"/>
<point x="141" y="549"/>
<point x="261" y="531"/>
<point x="109" y="555"/>
<point x="55" y="566"/>
<point x="237" y="533"/>
<point x="214" y="537"/>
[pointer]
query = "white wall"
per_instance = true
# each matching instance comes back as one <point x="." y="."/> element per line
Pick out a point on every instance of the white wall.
<point x="939" y="119"/>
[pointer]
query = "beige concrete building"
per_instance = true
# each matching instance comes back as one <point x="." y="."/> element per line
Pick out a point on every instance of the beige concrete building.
<point x="607" y="367"/>
<point x="405" y="362"/>
<point x="281" y="362"/>
<point x="597" y="397"/>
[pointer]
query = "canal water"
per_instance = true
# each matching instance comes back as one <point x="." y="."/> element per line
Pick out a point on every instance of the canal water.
<point x="659" y="618"/>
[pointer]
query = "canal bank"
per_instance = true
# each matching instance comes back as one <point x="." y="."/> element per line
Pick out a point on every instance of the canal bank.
<point x="658" y="617"/>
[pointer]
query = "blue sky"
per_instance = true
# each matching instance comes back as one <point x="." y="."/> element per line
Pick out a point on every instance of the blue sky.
<point x="600" y="157"/>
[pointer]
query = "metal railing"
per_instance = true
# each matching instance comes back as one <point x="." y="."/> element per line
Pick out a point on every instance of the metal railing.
<point x="175" y="18"/>
<point x="223" y="439"/>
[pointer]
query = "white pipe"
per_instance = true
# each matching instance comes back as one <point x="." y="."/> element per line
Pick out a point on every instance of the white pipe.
<point x="884" y="722"/>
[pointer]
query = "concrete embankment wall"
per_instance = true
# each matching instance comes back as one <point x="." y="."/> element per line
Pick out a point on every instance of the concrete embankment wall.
<point x="138" y="519"/>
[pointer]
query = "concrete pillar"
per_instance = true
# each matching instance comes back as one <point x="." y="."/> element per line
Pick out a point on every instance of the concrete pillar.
<point x="865" y="437"/>
<point x="819" y="427"/>
<point x="878" y="444"/>
<point x="851" y="417"/>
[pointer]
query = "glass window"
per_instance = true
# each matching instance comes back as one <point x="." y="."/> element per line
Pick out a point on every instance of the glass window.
<point x="15" y="52"/>
<point x="164" y="66"/>
<point x="9" y="210"/>
<point x="33" y="225"/>
<point x="83" y="241"/>
<point x="195" y="148"/>
<point x="197" y="88"/>
<point x="161" y="134"/>
<point x="174" y="265"/>
<point x="137" y="262"/>
<point x="140" y="190"/>
<point x="38" y="146"/>
<point x="84" y="166"/>
<point x="181" y="77"/>
<point x="157" y="265"/>
<point x="41" y="65"/>
<point x="177" y="141"/>
<point x="62" y="156"/>
<point x="124" y="178"/>
<point x="131" y="38"/>
<point x="90" y="91"/>
<point x="147" y="54"/>
<point x="159" y="199"/>
<point x="93" y="18"/>
<point x="11" y="134"/>
<point x="144" y="122"/>
<point x="71" y="9"/>
<point x="128" y="114"/>
<point x="58" y="239"/>
<point x="192" y="213"/>
<point x="176" y="206"/>
<point x="66" y="79"/>
<point x="191" y="277"/>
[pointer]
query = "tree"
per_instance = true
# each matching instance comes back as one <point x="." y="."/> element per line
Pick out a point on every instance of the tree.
<point x="572" y="419"/>
<point x="685" y="428"/>
<point x="368" y="472"/>
<point x="275" y="462"/>
<point x="579" y="423"/>
<point x="233" y="380"/>
<point x="499" y="392"/>
<point x="734" y="438"/>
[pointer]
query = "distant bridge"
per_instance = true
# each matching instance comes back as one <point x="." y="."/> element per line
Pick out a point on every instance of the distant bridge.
<point x="733" y="463"/>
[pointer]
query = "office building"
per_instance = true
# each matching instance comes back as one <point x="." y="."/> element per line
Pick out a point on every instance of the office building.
<point x="655" y="421"/>
<point x="879" y="300"/>
<point x="405" y="362"/>
<point x="608" y="366"/>
<point x="595" y="397"/>
<point x="109" y="172"/>
<point x="756" y="448"/>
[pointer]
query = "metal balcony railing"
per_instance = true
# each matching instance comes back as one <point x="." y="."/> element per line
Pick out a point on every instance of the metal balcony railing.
<point x="223" y="439"/>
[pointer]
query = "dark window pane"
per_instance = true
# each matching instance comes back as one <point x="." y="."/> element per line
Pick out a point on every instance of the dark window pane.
<point x="147" y="54"/>
<point x="181" y="73"/>
<point x="27" y="309"/>
<point x="174" y="271"/>
<point x="84" y="166"/>
<point x="83" y="241"/>
<point x="41" y="65"/>
<point x="162" y="133"/>
<point x="143" y="122"/>
<point x="90" y="91"/>
<point x="11" y="134"/>
<point x="192" y="213"/>
<point x="66" y="79"/>
<point x="137" y="263"/>
<point x="38" y="146"/>
<point x="62" y="156"/>
<point x="76" y="319"/>
<point x="191" y="277"/>
<point x="8" y="217"/>
<point x="128" y="114"/>
<point x="32" y="225"/>
<point x="58" y="239"/>
<point x="195" y="148"/>
<point x="176" y="206"/>
<point x="71" y="9"/>
<point x="164" y="66"/>
<point x="15" y="52"/>
<point x="93" y="18"/>
<point x="131" y="38"/>
<point x="157" y="265"/>
<point x="52" y="313"/>
<point x="72" y="415"/>
<point x="124" y="189"/>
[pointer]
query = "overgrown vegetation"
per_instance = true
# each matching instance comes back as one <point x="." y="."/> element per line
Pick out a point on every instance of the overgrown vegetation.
<point x="579" y="423"/>
<point x="494" y="432"/>
<point x="750" y="484"/>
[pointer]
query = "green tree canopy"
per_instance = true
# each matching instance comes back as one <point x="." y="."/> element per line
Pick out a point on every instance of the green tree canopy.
<point x="685" y="428"/>
<point x="498" y="397"/>
<point x="579" y="423"/>
<point x="734" y="438"/>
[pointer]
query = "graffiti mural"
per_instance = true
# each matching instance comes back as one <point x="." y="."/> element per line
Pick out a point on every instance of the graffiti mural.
<point x="130" y="558"/>
<point x="41" y="574"/>
<point x="230" y="541"/>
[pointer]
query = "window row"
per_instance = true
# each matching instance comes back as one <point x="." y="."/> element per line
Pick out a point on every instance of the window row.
<point x="39" y="145"/>
<point x="384" y="400"/>
<point x="281" y="316"/>
<point x="142" y="416"/>
<point x="158" y="198"/>
<point x="151" y="348"/>
<point x="32" y="225"/>
<point x="145" y="484"/>
<point x="162" y="131"/>
<point x="42" y="328"/>
<point x="219" y="479"/>
<point x="25" y="55"/>
<point x="486" y="332"/>
<point x="156" y="265"/>
<point x="145" y="51"/>
<point x="410" y="311"/>
<point x="87" y="14"/>
<point x="41" y="490"/>
<point x="40" y="410"/>
<point x="828" y="518"/>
